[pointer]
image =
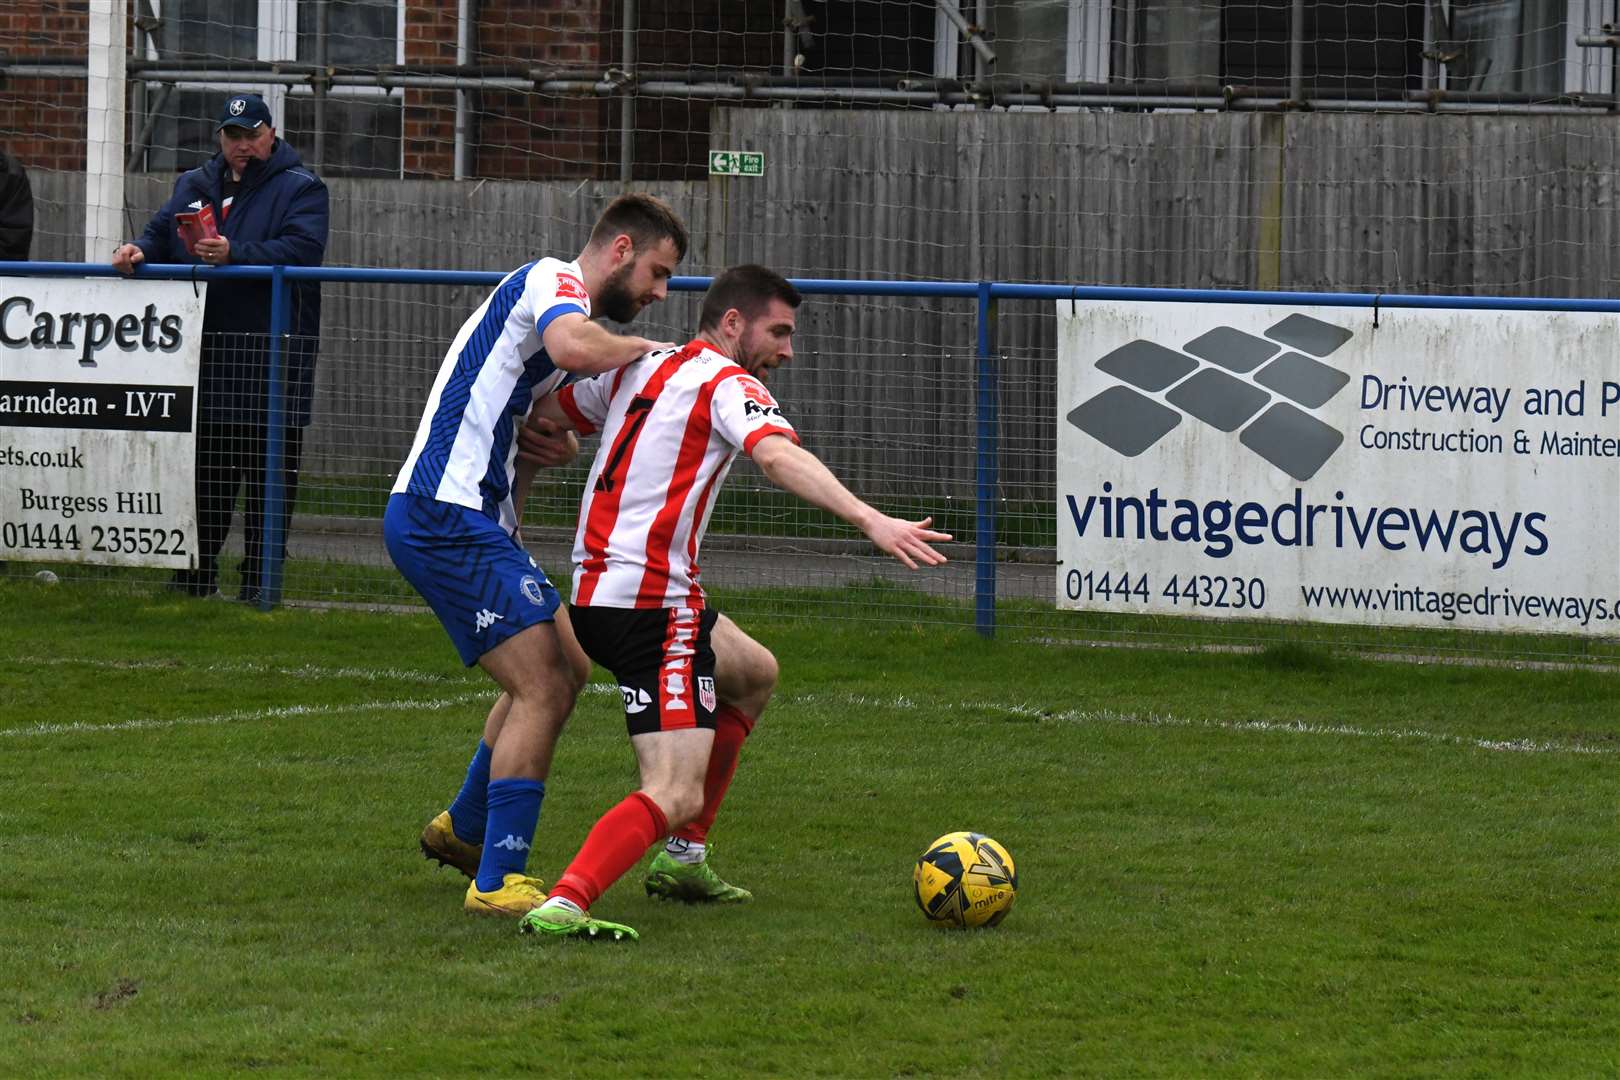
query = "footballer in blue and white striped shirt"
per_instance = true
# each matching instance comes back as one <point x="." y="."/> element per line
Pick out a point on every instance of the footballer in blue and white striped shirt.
<point x="452" y="523"/>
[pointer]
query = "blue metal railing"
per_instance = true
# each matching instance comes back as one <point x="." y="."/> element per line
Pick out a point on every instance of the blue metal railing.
<point x="984" y="293"/>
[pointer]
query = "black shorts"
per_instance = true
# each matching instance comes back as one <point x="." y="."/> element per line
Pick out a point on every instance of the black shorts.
<point x="662" y="659"/>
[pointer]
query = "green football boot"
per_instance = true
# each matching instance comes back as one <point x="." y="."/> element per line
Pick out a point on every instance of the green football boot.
<point x="560" y="922"/>
<point x="694" y="883"/>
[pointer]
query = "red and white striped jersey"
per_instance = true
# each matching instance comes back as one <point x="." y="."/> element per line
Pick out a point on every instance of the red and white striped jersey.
<point x="672" y="422"/>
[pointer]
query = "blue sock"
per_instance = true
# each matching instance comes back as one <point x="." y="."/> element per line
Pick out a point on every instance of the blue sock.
<point x="514" y="811"/>
<point x="470" y="808"/>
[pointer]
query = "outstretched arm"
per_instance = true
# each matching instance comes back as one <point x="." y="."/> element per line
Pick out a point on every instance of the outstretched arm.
<point x="576" y="344"/>
<point x="794" y="469"/>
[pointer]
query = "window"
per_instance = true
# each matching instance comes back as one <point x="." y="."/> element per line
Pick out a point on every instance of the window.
<point x="1506" y="46"/>
<point x="1031" y="38"/>
<point x="1523" y="46"/>
<point x="358" y="33"/>
<point x="209" y="29"/>
<point x="865" y="37"/>
<point x="1352" y="48"/>
<point x="1170" y="42"/>
<point x="1590" y="69"/>
<point x="1063" y="40"/>
<point x="360" y="125"/>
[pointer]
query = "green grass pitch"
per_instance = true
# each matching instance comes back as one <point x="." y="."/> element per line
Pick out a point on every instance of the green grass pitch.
<point x="1278" y="864"/>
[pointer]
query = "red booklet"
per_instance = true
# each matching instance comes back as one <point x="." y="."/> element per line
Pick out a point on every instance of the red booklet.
<point x="195" y="226"/>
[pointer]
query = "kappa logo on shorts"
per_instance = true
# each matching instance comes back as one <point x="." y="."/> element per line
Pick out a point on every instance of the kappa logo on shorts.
<point x="1262" y="385"/>
<point x="675" y="687"/>
<point x="485" y="619"/>
<point x="635" y="699"/>
<point x="531" y="589"/>
<point x="706" y="693"/>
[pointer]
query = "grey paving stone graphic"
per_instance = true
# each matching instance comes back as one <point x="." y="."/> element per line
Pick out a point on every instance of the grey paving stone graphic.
<point x="1123" y="420"/>
<point x="1218" y="399"/>
<point x="1145" y="364"/>
<point x="1309" y="335"/>
<point x="1291" y="439"/>
<point x="1301" y="378"/>
<point x="1232" y="349"/>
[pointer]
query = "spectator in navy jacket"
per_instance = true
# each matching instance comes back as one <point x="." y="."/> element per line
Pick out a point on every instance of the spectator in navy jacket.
<point x="269" y="210"/>
<point x="16" y="210"/>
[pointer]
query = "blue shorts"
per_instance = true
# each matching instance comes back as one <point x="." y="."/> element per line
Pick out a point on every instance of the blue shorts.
<point x="478" y="580"/>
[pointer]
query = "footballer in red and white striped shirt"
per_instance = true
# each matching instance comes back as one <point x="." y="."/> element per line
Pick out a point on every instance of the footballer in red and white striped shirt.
<point x="672" y="423"/>
<point x="693" y="683"/>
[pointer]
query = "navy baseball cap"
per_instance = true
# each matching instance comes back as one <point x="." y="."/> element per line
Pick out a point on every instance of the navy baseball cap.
<point x="244" y="111"/>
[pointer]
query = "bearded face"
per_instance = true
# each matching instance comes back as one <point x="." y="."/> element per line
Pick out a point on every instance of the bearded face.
<point x="616" y="299"/>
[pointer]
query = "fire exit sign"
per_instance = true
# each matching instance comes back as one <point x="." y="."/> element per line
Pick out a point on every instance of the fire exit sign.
<point x="736" y="163"/>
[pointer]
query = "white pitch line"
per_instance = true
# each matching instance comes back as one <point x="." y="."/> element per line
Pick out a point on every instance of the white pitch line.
<point x="302" y="671"/>
<point x="901" y="702"/>
<point x="1288" y="727"/>
<point x="248" y="716"/>
<point x="248" y="667"/>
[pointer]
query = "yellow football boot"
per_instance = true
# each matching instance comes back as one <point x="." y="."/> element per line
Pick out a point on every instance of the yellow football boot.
<point x="517" y="896"/>
<point x="441" y="844"/>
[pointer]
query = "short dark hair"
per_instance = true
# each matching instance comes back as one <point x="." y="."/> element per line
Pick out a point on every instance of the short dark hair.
<point x="645" y="219"/>
<point x="749" y="288"/>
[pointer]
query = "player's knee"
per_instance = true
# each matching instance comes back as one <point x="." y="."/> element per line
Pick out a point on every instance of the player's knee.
<point x="768" y="672"/>
<point x="576" y="665"/>
<point x="551" y="694"/>
<point x="757" y="684"/>
<point x="579" y="670"/>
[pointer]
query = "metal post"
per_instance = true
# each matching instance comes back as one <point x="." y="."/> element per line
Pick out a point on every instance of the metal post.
<point x="322" y="24"/>
<point x="970" y="32"/>
<point x="988" y="480"/>
<point x="275" y="419"/>
<point x="789" y="43"/>
<point x="627" y="103"/>
<point x="458" y="166"/>
<point x="104" y="129"/>
<point x="1296" y="53"/>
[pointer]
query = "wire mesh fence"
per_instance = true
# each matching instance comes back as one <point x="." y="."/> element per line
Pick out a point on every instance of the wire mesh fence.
<point x="1455" y="148"/>
<point x="899" y="422"/>
<point x="1360" y="144"/>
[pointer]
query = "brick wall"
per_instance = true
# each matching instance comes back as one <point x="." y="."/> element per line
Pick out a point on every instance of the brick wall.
<point x="524" y="136"/>
<point x="430" y="115"/>
<point x="513" y="135"/>
<point x="42" y="120"/>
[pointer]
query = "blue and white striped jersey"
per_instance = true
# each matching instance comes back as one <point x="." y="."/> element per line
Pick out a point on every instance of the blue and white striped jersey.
<point x="496" y="368"/>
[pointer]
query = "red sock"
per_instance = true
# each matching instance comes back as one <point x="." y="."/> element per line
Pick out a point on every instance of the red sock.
<point x="731" y="727"/>
<point x="617" y="840"/>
